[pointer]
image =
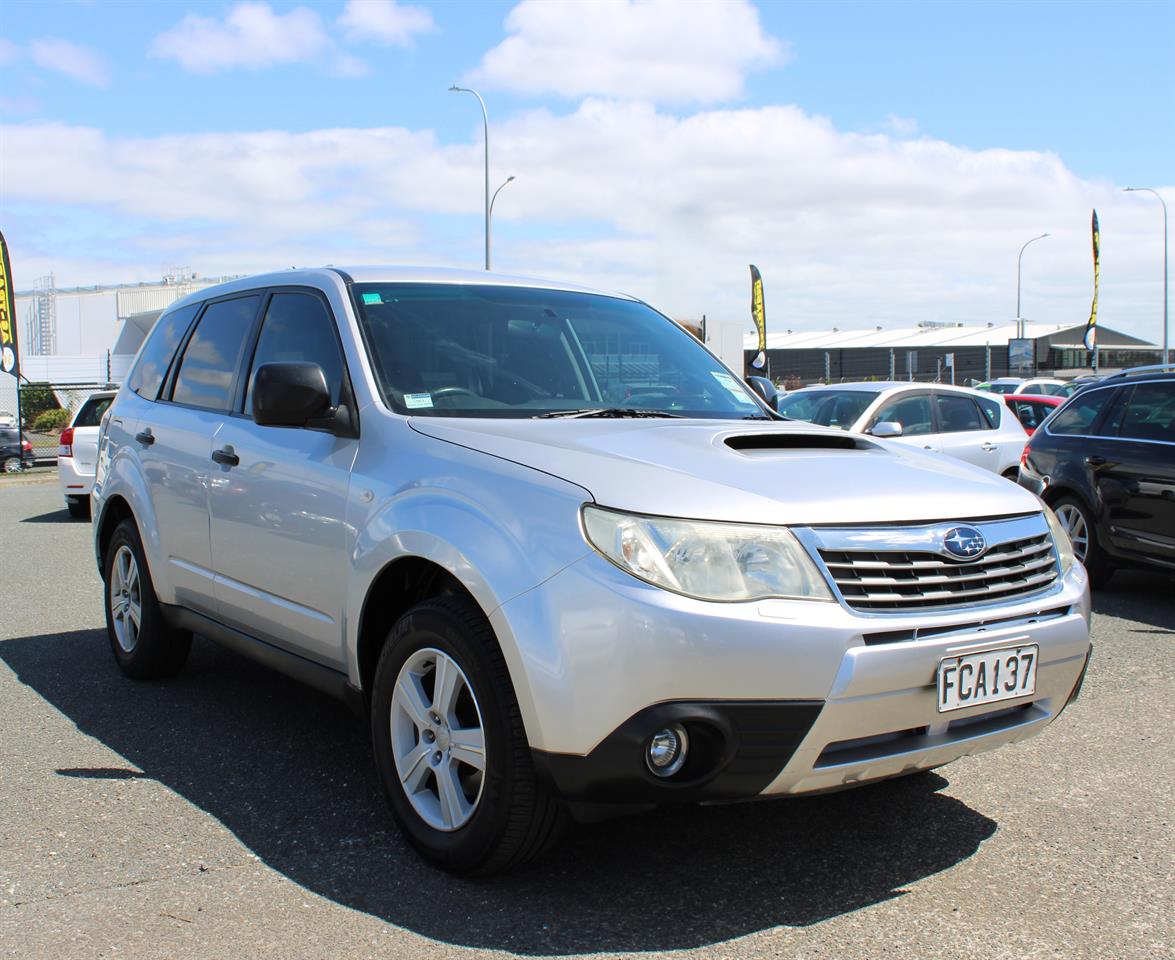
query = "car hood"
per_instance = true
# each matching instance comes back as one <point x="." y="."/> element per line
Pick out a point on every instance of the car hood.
<point x="777" y="473"/>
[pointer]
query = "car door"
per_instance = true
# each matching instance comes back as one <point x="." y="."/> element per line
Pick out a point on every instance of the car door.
<point x="1135" y="472"/>
<point x="964" y="431"/>
<point x="911" y="409"/>
<point x="279" y="540"/>
<point x="174" y="438"/>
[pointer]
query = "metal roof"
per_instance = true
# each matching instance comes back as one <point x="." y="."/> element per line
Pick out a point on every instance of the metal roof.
<point x="913" y="338"/>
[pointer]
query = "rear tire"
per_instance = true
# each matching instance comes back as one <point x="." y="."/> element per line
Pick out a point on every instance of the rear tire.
<point x="145" y="646"/>
<point x="13" y="465"/>
<point x="78" y="508"/>
<point x="1077" y="520"/>
<point x="494" y="814"/>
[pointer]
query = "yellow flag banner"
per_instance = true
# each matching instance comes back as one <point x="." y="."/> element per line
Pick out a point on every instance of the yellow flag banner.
<point x="9" y="355"/>
<point x="759" y="315"/>
<point x="1090" y="338"/>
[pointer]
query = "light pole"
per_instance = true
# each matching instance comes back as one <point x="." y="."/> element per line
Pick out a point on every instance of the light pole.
<point x="1166" y="353"/>
<point x="490" y="217"/>
<point x="1019" y="261"/>
<point x="486" y="122"/>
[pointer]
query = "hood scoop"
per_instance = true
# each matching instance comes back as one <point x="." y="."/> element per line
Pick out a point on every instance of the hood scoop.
<point x="796" y="441"/>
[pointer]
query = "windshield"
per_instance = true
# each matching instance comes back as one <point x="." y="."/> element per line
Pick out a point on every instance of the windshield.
<point x="829" y="408"/>
<point x="454" y="350"/>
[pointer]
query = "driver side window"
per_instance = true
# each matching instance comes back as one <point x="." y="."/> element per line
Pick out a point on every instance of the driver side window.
<point x="912" y="412"/>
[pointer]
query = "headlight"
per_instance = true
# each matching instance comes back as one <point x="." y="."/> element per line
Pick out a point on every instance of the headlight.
<point x="708" y="561"/>
<point x="1060" y="538"/>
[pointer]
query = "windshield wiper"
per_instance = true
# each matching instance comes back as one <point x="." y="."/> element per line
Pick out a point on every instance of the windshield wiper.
<point x="605" y="412"/>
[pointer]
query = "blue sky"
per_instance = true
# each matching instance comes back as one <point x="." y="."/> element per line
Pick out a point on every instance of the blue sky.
<point x="881" y="162"/>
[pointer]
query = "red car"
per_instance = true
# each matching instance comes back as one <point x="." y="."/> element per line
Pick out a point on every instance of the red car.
<point x="1032" y="408"/>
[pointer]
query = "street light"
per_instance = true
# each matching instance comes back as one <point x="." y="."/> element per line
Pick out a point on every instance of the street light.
<point x="491" y="217"/>
<point x="486" y="121"/>
<point x="1166" y="353"/>
<point x="1019" y="261"/>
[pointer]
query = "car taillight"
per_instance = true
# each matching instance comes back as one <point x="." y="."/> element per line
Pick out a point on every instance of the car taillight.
<point x="66" y="443"/>
<point x="1024" y="455"/>
<point x="26" y="446"/>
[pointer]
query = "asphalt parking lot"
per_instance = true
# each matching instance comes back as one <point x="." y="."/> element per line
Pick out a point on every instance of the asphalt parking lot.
<point x="232" y="813"/>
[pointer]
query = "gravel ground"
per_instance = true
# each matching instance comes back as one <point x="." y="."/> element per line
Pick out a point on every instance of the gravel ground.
<point x="232" y="813"/>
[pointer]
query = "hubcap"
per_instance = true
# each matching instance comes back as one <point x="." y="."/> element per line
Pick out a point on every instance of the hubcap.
<point x="437" y="740"/>
<point x="1074" y="524"/>
<point x="126" y="607"/>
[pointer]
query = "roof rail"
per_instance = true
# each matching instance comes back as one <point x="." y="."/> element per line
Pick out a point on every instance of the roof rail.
<point x="1147" y="369"/>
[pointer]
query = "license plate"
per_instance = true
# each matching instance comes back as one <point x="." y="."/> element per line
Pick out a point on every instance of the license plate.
<point x="986" y="677"/>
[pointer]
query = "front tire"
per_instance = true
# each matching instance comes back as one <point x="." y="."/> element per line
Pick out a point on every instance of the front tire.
<point x="450" y="747"/>
<point x="144" y="644"/>
<point x="1079" y="524"/>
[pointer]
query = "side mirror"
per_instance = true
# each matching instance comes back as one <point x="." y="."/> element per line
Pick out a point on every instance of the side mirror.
<point x="765" y="389"/>
<point x="886" y="429"/>
<point x="290" y="394"/>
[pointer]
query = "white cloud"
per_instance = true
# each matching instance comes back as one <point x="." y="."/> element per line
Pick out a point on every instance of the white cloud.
<point x="251" y="36"/>
<point x="78" y="62"/>
<point x="850" y="230"/>
<point x="661" y="50"/>
<point x="384" y="21"/>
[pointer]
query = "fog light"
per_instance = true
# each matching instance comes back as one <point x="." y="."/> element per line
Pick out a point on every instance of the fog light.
<point x="667" y="749"/>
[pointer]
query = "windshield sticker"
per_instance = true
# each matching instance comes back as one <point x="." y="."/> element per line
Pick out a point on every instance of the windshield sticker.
<point x="417" y="401"/>
<point x="732" y="385"/>
<point x="375" y="298"/>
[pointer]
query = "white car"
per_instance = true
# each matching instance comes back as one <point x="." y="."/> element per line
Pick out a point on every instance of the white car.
<point x="1046" y="386"/>
<point x="968" y="424"/>
<point x="77" y="453"/>
<point x="7" y="419"/>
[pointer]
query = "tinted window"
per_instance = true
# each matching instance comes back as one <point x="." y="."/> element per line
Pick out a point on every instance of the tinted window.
<point x="913" y="413"/>
<point x="1079" y="414"/>
<point x="991" y="411"/>
<point x="956" y="414"/>
<point x="1150" y="413"/>
<point x="829" y="408"/>
<point x="90" y="415"/>
<point x="155" y="357"/>
<point x="213" y="355"/>
<point x="298" y="327"/>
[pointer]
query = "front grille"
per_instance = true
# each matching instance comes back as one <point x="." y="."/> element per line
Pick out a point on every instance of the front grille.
<point x="904" y="580"/>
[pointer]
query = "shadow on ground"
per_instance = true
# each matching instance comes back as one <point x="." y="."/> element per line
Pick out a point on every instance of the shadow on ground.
<point x="55" y="516"/>
<point x="290" y="773"/>
<point x="1139" y="595"/>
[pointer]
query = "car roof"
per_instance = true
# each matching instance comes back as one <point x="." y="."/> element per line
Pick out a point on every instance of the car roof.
<point x="1049" y="398"/>
<point x="330" y="274"/>
<point x="888" y="386"/>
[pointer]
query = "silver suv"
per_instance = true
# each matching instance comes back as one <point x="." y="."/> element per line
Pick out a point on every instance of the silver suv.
<point x="561" y="557"/>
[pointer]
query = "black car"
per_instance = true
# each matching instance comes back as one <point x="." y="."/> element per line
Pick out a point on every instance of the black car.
<point x="1105" y="462"/>
<point x="15" y="452"/>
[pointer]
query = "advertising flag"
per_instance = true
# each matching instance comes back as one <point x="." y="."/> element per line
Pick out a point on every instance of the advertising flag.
<point x="1091" y="327"/>
<point x="9" y="355"/>
<point x="759" y="315"/>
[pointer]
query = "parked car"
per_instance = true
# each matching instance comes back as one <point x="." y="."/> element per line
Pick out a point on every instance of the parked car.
<point x="77" y="453"/>
<point x="1031" y="409"/>
<point x="957" y="421"/>
<point x="1001" y="385"/>
<point x="1041" y="385"/>
<point x="7" y="419"/>
<point x="1105" y="462"/>
<point x="16" y="453"/>
<point x="430" y="493"/>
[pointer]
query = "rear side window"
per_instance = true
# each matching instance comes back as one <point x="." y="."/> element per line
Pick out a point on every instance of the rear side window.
<point x="957" y="414"/>
<point x="147" y="376"/>
<point x="991" y="411"/>
<point x="1150" y="414"/>
<point x="1080" y="413"/>
<point x="90" y="415"/>
<point x="298" y="327"/>
<point x="208" y="368"/>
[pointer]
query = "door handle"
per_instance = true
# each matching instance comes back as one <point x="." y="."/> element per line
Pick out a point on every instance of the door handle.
<point x="1095" y="461"/>
<point x="145" y="437"/>
<point x="927" y="447"/>
<point x="989" y="447"/>
<point x="226" y="457"/>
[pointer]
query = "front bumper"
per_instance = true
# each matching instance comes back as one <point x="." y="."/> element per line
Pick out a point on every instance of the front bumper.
<point x="806" y="696"/>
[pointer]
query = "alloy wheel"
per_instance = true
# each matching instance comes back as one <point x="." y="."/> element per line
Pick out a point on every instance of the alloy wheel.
<point x="438" y="740"/>
<point x="1074" y="523"/>
<point x="126" y="604"/>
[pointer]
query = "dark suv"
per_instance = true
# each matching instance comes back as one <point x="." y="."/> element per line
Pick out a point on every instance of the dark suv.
<point x="15" y="452"/>
<point x="1105" y="462"/>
